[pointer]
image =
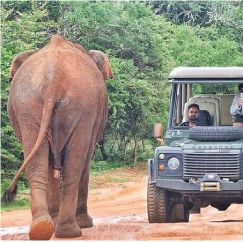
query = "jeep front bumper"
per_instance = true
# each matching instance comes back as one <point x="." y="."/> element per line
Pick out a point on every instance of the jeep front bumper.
<point x="181" y="186"/>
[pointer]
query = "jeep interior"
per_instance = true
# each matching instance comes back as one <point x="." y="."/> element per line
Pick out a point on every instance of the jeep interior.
<point x="189" y="86"/>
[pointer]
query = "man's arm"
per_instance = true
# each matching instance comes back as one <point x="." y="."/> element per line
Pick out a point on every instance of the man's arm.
<point x="235" y="108"/>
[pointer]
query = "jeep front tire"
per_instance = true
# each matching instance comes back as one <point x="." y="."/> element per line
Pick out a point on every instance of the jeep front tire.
<point x="157" y="204"/>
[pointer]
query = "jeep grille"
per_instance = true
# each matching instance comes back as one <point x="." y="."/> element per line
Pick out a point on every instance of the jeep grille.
<point x="225" y="165"/>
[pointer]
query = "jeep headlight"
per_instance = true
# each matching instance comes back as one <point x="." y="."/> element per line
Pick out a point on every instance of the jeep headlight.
<point x="173" y="163"/>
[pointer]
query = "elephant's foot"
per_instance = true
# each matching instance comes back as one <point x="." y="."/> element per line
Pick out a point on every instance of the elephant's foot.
<point x="84" y="220"/>
<point x="67" y="230"/>
<point x="41" y="229"/>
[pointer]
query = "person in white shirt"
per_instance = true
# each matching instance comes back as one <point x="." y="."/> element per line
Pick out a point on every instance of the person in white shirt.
<point x="236" y="108"/>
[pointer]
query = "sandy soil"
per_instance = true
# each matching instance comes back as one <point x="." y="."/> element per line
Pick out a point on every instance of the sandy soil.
<point x="119" y="212"/>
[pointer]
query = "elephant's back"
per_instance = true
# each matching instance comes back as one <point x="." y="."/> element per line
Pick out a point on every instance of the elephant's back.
<point x="67" y="73"/>
<point x="71" y="79"/>
<point x="74" y="67"/>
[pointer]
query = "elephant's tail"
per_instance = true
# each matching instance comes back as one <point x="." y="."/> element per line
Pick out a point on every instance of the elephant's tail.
<point x="11" y="192"/>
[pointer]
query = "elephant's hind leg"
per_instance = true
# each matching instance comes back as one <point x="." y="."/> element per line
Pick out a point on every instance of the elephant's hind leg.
<point x="42" y="226"/>
<point x="74" y="164"/>
<point x="66" y="226"/>
<point x="84" y="220"/>
<point x="53" y="195"/>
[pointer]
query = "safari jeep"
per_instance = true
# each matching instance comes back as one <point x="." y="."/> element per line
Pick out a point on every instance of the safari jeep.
<point x="197" y="166"/>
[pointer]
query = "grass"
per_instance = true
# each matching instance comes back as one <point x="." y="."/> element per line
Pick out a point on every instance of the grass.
<point x="22" y="201"/>
<point x="119" y="175"/>
<point x="16" y="204"/>
<point x="116" y="180"/>
<point x="98" y="167"/>
<point x="102" y="173"/>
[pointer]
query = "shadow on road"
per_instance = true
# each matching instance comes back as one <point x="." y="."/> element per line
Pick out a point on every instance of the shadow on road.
<point x="226" y="221"/>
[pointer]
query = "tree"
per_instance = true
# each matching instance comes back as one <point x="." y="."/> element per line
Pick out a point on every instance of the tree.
<point x="228" y="18"/>
<point x="133" y="35"/>
<point x="144" y="41"/>
<point x="25" y="27"/>
<point x="181" y="12"/>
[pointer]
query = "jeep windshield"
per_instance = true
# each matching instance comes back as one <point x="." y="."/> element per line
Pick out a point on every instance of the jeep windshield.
<point x="212" y="89"/>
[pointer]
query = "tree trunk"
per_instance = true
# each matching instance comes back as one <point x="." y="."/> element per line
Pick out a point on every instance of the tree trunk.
<point x="125" y="153"/>
<point x="102" y="149"/>
<point x="112" y="146"/>
<point x="143" y="145"/>
<point x="135" y="150"/>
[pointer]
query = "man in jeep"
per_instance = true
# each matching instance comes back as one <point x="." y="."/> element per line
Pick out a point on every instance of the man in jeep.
<point x="193" y="114"/>
<point x="236" y="108"/>
<point x="194" y="167"/>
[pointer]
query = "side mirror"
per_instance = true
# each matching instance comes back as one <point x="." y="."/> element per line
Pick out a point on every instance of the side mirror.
<point x="158" y="130"/>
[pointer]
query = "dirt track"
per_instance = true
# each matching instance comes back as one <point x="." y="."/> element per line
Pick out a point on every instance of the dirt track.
<point x="119" y="212"/>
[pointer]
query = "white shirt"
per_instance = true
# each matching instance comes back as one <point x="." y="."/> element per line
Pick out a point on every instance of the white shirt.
<point x="235" y="109"/>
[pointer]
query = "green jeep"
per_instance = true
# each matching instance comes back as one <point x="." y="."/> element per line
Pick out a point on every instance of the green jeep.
<point x="202" y="165"/>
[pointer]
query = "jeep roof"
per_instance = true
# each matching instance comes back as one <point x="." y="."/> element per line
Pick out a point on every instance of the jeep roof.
<point x="206" y="74"/>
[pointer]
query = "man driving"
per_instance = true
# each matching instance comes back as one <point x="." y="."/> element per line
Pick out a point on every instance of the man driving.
<point x="193" y="114"/>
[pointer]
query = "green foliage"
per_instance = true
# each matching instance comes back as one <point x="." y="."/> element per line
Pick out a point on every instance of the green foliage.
<point x="25" y="26"/>
<point x="215" y="89"/>
<point x="22" y="186"/>
<point x="101" y="166"/>
<point x="134" y="37"/>
<point x="180" y="12"/>
<point x="23" y="203"/>
<point x="144" y="41"/>
<point x="22" y="199"/>
<point x="115" y="180"/>
<point x="226" y="17"/>
<point x="206" y="52"/>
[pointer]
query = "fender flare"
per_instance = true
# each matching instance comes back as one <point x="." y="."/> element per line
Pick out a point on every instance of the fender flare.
<point x="151" y="179"/>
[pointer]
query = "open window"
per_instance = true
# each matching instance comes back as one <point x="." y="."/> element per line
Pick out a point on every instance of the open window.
<point x="214" y="106"/>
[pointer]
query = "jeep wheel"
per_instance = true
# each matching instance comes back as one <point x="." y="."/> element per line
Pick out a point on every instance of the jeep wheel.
<point x="157" y="205"/>
<point x="179" y="213"/>
<point x="227" y="133"/>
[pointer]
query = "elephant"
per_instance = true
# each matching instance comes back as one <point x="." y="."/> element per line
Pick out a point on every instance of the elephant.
<point x="58" y="108"/>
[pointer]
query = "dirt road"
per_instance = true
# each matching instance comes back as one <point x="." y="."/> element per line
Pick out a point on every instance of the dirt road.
<point x="119" y="212"/>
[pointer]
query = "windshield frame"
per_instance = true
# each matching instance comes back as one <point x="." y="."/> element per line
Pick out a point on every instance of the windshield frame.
<point x="175" y="95"/>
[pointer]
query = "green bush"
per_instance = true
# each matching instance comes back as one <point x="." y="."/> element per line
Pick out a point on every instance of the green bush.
<point x="100" y="166"/>
<point x="23" y="203"/>
<point x="22" y="199"/>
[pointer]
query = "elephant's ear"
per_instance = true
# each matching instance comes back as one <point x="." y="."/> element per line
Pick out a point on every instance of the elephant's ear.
<point x="102" y="62"/>
<point x="18" y="61"/>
